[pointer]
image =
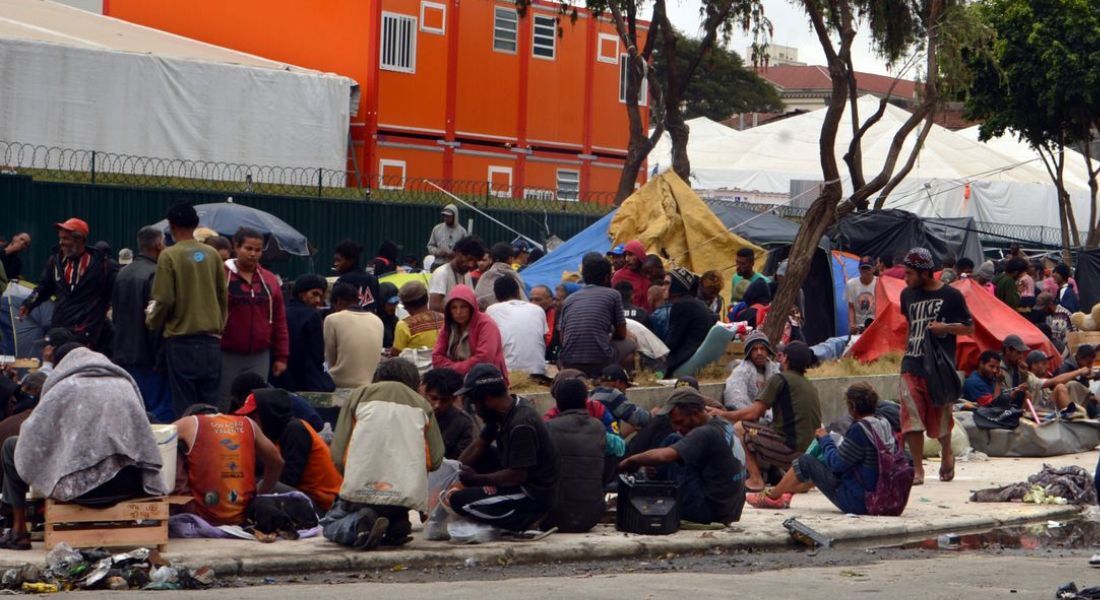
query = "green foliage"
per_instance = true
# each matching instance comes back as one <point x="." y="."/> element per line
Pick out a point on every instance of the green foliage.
<point x="722" y="85"/>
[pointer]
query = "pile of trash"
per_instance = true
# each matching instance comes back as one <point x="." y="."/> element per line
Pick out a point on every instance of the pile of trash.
<point x="69" y="569"/>
<point x="1065" y="485"/>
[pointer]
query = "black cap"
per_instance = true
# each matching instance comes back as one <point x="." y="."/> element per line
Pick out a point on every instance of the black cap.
<point x="59" y="336"/>
<point x="615" y="373"/>
<point x="687" y="396"/>
<point x="1014" y="342"/>
<point x="1036" y="356"/>
<point x="481" y="375"/>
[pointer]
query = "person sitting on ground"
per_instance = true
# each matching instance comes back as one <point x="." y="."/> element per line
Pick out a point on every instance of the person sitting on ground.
<point x="520" y="494"/>
<point x="699" y="458"/>
<point x="305" y="371"/>
<point x="501" y="255"/>
<point x="346" y="262"/>
<point x="458" y="428"/>
<point x="611" y="393"/>
<point x="754" y="305"/>
<point x="455" y="272"/>
<point x="591" y="323"/>
<point x="1052" y="319"/>
<point x="630" y="311"/>
<point x="1079" y="388"/>
<point x="1051" y="393"/>
<point x="581" y="442"/>
<point x="633" y="272"/>
<point x="796" y="414"/>
<point x="421" y="328"/>
<point x="470" y="337"/>
<point x="307" y="462"/>
<point x="87" y="441"/>
<point x="749" y="378"/>
<point x="845" y="473"/>
<point x="219" y="455"/>
<point x="247" y="383"/>
<point x="984" y="387"/>
<point x="689" y="320"/>
<point x="1006" y="285"/>
<point x="595" y="408"/>
<point x="389" y="300"/>
<point x="380" y="488"/>
<point x="710" y="292"/>
<point x="21" y="400"/>
<point x="353" y="339"/>
<point x="744" y="275"/>
<point x="522" y="327"/>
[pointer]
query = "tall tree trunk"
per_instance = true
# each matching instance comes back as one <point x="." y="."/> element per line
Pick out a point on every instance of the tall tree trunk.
<point x="641" y="141"/>
<point x="1094" y="225"/>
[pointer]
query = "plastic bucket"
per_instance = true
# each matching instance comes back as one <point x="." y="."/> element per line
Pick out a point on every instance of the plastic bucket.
<point x="166" y="438"/>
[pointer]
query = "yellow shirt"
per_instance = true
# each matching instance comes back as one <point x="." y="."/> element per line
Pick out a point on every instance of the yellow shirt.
<point x="418" y="331"/>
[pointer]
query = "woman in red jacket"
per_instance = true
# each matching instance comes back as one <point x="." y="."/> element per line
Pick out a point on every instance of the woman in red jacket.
<point x="469" y="337"/>
<point x="255" y="339"/>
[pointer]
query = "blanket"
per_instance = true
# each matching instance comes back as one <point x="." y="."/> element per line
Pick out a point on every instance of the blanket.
<point x="89" y="424"/>
<point x="1073" y="484"/>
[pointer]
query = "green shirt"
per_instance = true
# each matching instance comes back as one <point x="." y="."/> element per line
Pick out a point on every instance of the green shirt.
<point x="796" y="410"/>
<point x="1007" y="290"/>
<point x="740" y="284"/>
<point x="190" y="293"/>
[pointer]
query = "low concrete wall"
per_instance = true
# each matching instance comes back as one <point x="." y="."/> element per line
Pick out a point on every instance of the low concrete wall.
<point x="830" y="390"/>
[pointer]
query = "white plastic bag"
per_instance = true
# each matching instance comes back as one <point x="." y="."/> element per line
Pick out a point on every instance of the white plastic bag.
<point x="438" y="482"/>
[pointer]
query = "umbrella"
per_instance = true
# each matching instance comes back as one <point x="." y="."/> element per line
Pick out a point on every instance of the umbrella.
<point x="280" y="239"/>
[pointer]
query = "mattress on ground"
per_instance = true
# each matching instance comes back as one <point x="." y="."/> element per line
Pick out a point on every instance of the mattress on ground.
<point x="1028" y="440"/>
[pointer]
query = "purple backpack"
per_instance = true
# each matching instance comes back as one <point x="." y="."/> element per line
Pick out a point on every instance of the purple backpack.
<point x="895" y="479"/>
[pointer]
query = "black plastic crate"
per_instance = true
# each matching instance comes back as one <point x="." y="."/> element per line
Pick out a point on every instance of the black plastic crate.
<point x="647" y="507"/>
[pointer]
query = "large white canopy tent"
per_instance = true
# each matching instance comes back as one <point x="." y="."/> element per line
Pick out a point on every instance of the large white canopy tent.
<point x="702" y="131"/>
<point x="954" y="176"/>
<point x="81" y="81"/>
<point x="1075" y="173"/>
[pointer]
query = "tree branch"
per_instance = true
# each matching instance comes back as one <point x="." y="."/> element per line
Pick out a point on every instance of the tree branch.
<point x="904" y="172"/>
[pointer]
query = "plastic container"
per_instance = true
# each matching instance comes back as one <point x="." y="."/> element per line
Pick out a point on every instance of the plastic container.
<point x="647" y="507"/>
<point x="167" y="438"/>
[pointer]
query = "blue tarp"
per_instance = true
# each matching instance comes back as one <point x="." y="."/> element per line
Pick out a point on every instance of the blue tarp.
<point x="844" y="268"/>
<point x="567" y="257"/>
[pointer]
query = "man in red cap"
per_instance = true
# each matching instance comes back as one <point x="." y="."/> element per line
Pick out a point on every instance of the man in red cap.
<point x="81" y="278"/>
<point x="632" y="272"/>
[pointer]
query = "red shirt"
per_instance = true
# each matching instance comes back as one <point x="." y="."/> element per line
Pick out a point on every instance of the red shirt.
<point x="641" y="285"/>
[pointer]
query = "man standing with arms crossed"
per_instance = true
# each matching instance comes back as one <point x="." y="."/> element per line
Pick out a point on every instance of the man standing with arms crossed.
<point x="190" y="302"/>
<point x="931" y="308"/>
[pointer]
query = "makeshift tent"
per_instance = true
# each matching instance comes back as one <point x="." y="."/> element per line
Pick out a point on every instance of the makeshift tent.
<point x="894" y="232"/>
<point x="670" y="220"/>
<point x="566" y="258"/>
<point x="75" y="80"/>
<point x="1088" y="278"/>
<point x="993" y="322"/>
<point x="953" y="177"/>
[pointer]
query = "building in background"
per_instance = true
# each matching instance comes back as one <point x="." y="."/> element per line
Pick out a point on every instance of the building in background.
<point x="469" y="93"/>
<point x="778" y="55"/>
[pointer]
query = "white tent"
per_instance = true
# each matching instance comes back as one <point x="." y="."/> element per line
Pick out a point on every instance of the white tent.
<point x="702" y="131"/>
<point x="81" y="81"/>
<point x="1075" y="172"/>
<point x="953" y="177"/>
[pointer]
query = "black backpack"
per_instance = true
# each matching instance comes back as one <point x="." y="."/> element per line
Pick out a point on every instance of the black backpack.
<point x="939" y="368"/>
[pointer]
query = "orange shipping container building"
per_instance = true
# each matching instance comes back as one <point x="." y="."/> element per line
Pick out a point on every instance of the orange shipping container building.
<point x="456" y="91"/>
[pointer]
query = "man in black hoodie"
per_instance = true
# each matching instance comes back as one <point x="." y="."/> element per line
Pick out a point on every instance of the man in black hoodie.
<point x="81" y="278"/>
<point x="305" y="370"/>
<point x="689" y="320"/>
<point x="345" y="262"/>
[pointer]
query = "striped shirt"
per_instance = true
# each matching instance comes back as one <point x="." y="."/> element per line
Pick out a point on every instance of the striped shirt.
<point x="587" y="320"/>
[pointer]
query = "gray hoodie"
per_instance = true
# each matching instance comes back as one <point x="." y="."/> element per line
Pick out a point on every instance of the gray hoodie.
<point x="443" y="238"/>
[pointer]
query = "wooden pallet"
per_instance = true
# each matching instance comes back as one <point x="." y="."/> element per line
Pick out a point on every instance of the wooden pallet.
<point x="114" y="527"/>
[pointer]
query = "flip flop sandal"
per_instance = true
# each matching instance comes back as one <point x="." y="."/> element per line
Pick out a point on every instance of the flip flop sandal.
<point x="532" y="535"/>
<point x="947" y="475"/>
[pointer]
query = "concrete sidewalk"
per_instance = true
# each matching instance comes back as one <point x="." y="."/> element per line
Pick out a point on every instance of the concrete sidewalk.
<point x="933" y="508"/>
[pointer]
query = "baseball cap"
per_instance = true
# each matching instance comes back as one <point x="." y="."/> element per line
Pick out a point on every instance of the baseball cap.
<point x="248" y="407"/>
<point x="618" y="250"/>
<point x="615" y="373"/>
<point x="1036" y="356"/>
<point x="125" y="256"/>
<point x="412" y="291"/>
<point x="1014" y="342"/>
<point x="74" y="225"/>
<point x="866" y="263"/>
<point x="687" y="381"/>
<point x="479" y="376"/>
<point x="59" y="336"/>
<point x="686" y="396"/>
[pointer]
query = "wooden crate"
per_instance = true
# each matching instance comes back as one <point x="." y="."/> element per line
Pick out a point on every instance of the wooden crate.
<point x="1076" y="338"/>
<point x="114" y="527"/>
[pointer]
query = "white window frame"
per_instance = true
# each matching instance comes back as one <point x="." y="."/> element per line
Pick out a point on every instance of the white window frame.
<point x="497" y="170"/>
<point x="389" y="162"/>
<point x="442" y="30"/>
<point x="643" y="94"/>
<point x="513" y="16"/>
<point x="538" y="194"/>
<point x="535" y="35"/>
<point x="412" y="43"/>
<point x="600" y="56"/>
<point x="576" y="196"/>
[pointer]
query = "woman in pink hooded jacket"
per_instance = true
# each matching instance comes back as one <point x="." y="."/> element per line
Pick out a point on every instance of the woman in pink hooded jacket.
<point x="469" y="336"/>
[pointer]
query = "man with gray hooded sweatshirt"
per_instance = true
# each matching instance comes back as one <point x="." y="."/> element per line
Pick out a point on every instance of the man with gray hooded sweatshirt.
<point x="445" y="235"/>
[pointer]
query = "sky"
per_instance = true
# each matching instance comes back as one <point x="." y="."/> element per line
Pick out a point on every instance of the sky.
<point x="792" y="28"/>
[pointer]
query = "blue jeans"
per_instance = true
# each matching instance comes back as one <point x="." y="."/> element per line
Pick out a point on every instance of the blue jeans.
<point x="342" y="524"/>
<point x="846" y="493"/>
<point x="155" y="391"/>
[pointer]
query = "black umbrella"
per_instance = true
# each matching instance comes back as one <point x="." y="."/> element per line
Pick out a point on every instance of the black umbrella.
<point x="280" y="239"/>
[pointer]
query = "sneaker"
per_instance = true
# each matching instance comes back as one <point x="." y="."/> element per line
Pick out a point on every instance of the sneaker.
<point x="368" y="538"/>
<point x="1095" y="560"/>
<point x="764" y="501"/>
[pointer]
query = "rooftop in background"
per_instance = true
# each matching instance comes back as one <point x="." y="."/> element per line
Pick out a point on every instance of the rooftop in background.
<point x="813" y="80"/>
<point x="52" y="22"/>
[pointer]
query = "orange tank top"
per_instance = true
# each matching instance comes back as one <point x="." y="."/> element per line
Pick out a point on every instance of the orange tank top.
<point x="221" y="468"/>
<point x="320" y="480"/>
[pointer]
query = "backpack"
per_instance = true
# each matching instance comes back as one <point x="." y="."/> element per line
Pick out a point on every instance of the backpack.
<point x="939" y="369"/>
<point x="895" y="479"/>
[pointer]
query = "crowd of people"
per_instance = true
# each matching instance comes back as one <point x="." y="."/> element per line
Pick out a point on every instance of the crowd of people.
<point x="200" y="334"/>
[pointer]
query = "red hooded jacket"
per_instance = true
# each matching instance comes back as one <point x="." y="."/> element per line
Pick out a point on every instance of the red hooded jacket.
<point x="257" y="314"/>
<point x="485" y="343"/>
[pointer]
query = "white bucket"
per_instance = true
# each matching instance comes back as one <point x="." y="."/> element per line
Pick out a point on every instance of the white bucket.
<point x="166" y="438"/>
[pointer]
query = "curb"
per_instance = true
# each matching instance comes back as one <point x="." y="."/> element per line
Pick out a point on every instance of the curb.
<point x="627" y="546"/>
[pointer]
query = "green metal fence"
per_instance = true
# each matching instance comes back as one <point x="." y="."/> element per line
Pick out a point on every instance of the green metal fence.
<point x="116" y="212"/>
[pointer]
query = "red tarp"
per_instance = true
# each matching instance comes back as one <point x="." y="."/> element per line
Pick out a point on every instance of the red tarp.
<point x="993" y="322"/>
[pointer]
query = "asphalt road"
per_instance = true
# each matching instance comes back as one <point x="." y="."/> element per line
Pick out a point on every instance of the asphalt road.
<point x="897" y="575"/>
